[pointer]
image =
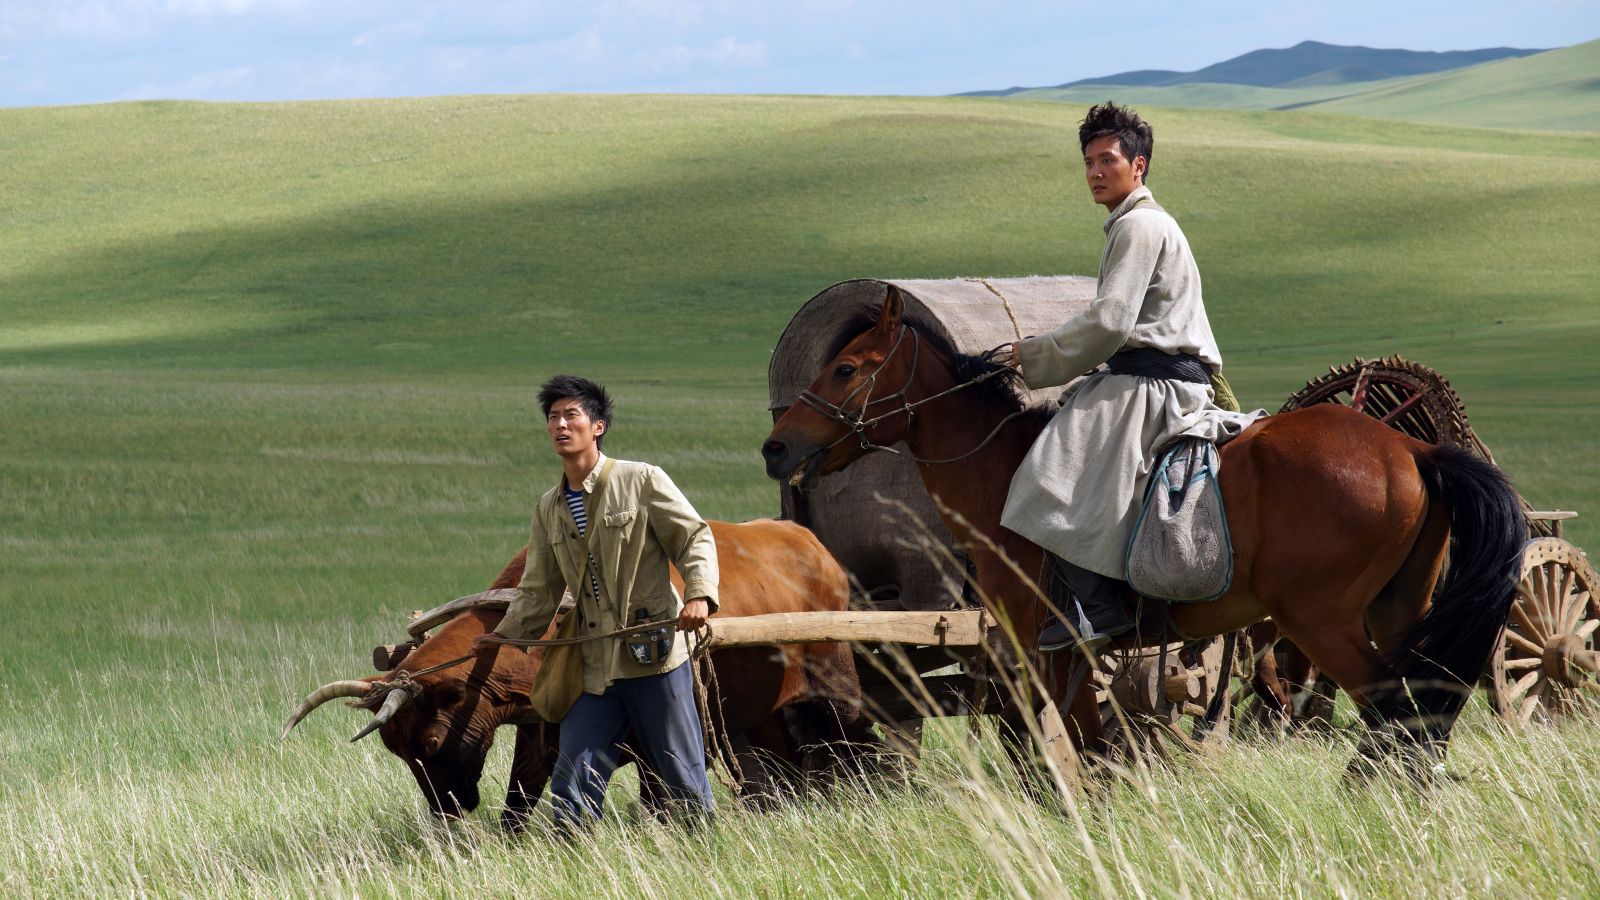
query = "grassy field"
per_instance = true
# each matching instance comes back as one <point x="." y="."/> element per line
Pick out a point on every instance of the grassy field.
<point x="1551" y="91"/>
<point x="266" y="377"/>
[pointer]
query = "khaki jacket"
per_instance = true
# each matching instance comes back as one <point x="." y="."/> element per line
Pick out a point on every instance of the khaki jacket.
<point x="638" y="523"/>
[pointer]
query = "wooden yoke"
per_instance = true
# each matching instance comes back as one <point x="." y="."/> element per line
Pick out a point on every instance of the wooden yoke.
<point x="952" y="628"/>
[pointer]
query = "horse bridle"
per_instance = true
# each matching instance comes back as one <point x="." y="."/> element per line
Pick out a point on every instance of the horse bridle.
<point x="856" y="423"/>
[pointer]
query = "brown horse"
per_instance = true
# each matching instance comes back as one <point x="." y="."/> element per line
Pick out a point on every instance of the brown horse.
<point x="1339" y="524"/>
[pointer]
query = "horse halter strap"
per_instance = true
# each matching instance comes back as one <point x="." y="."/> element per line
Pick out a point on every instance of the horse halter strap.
<point x="855" y="419"/>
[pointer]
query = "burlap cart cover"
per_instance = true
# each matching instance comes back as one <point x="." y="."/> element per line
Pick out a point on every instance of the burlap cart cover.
<point x="873" y="540"/>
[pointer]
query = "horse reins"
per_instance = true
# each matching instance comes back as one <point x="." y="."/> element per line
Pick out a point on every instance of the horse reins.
<point x="857" y="424"/>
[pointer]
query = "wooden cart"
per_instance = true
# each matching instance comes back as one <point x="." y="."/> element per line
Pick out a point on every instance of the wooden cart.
<point x="1547" y="661"/>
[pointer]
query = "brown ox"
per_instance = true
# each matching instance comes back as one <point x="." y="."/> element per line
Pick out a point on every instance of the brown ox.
<point x="775" y="701"/>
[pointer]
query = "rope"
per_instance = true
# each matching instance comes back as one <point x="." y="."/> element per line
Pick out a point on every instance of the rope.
<point x="551" y="642"/>
<point x="1003" y="302"/>
<point x="718" y="742"/>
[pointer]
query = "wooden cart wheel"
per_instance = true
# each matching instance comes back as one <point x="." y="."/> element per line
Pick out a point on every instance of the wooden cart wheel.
<point x="1405" y="395"/>
<point x="1152" y="697"/>
<point x="1547" y="665"/>
<point x="1413" y="399"/>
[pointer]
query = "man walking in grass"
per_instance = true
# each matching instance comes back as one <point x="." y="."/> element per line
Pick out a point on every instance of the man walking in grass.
<point x="607" y="533"/>
<point x="1077" y="493"/>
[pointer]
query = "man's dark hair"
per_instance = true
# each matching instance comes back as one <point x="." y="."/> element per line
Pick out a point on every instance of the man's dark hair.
<point x="1132" y="132"/>
<point x="591" y="396"/>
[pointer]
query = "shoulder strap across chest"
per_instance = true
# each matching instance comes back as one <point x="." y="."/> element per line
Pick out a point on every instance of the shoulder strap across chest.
<point x="588" y="507"/>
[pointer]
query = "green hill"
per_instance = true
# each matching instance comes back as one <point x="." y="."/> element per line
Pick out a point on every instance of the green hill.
<point x="1201" y="95"/>
<point x="1552" y="91"/>
<point x="266" y="386"/>
<point x="654" y="239"/>
<point x="1305" y="64"/>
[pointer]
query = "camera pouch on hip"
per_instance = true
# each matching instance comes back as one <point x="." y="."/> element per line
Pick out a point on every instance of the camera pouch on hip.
<point x="647" y="648"/>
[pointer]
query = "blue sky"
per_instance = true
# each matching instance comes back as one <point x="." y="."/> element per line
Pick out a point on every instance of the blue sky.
<point x="91" y="51"/>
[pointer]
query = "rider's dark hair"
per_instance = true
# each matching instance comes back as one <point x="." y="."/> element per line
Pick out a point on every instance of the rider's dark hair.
<point x="590" y="395"/>
<point x="1132" y="132"/>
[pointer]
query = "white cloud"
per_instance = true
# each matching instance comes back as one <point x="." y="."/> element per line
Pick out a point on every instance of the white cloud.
<point x="204" y="86"/>
<point x="728" y="51"/>
<point x="681" y="12"/>
<point x="339" y="79"/>
<point x="98" y="22"/>
<point x="208" y="8"/>
<point x="586" y="46"/>
<point x="384" y="33"/>
<point x="737" y="52"/>
<point x="107" y="21"/>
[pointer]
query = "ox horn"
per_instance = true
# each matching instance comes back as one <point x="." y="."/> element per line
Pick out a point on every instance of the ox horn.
<point x="330" y="691"/>
<point x="391" y="705"/>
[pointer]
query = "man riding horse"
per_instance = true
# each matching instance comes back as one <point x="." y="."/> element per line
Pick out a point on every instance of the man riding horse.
<point x="1076" y="494"/>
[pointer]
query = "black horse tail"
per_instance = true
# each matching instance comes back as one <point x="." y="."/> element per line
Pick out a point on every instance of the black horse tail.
<point x="1442" y="656"/>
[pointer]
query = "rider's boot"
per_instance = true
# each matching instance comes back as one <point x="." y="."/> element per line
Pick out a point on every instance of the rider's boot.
<point x="1094" y="600"/>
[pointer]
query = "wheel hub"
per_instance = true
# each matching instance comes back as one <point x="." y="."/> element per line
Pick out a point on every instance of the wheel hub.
<point x="1568" y="661"/>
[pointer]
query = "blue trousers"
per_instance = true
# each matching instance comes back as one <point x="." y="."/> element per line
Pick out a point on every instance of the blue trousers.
<point x="660" y="711"/>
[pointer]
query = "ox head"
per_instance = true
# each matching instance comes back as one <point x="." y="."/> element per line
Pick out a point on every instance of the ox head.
<point x="441" y="724"/>
<point x="854" y="406"/>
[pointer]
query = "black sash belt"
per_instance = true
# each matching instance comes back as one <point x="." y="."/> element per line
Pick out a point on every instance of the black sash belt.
<point x="1152" y="363"/>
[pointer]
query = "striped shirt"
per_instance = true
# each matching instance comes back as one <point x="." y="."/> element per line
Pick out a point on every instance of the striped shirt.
<point x="575" y="506"/>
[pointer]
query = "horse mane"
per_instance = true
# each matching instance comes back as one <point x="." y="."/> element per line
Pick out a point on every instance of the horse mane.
<point x="1002" y="390"/>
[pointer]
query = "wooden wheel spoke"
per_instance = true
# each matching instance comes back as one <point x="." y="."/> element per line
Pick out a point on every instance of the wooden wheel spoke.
<point x="1534" y="631"/>
<point x="1539" y="582"/>
<point x="1523" y="663"/>
<point x="1391" y="415"/>
<point x="1525" y="711"/>
<point x="1577" y="601"/>
<point x="1586" y="629"/>
<point x="1358" y="393"/>
<point x="1522" y="684"/>
<point x="1523" y="643"/>
<point x="1555" y="599"/>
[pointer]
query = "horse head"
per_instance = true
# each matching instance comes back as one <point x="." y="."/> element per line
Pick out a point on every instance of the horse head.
<point x="858" y="404"/>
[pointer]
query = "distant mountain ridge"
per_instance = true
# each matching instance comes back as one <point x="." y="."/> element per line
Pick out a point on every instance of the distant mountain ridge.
<point x="1551" y="90"/>
<point x="1306" y="64"/>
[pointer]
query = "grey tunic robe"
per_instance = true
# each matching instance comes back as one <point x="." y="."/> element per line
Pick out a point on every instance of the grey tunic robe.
<point x="1078" y="491"/>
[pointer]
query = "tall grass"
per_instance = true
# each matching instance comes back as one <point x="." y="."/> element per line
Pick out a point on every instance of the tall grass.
<point x="189" y="795"/>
